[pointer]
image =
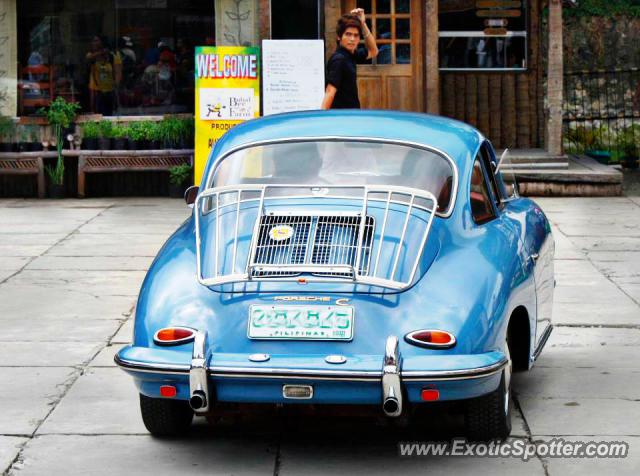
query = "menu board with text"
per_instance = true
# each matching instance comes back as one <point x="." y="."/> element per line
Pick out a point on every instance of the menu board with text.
<point x="293" y="75"/>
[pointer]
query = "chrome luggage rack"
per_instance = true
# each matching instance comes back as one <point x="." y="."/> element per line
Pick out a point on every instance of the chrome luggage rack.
<point x="321" y="245"/>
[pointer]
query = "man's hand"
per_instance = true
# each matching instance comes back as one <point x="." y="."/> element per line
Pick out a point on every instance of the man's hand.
<point x="360" y="13"/>
<point x="369" y="41"/>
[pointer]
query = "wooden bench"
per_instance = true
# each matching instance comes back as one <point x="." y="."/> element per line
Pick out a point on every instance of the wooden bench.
<point x="25" y="163"/>
<point x="100" y="161"/>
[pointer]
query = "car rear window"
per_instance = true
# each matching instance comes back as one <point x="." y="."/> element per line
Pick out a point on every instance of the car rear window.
<point x="339" y="163"/>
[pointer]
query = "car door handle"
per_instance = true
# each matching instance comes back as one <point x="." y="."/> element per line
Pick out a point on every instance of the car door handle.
<point x="534" y="257"/>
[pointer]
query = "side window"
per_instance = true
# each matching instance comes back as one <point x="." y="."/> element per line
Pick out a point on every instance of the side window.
<point x="481" y="208"/>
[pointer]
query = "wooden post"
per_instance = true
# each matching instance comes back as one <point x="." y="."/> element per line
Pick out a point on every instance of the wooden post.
<point x="41" y="182"/>
<point x="332" y="11"/>
<point x="553" y="137"/>
<point x="81" y="176"/>
<point x="264" y="7"/>
<point x="9" y="57"/>
<point x="432" y="60"/>
<point x="509" y="110"/>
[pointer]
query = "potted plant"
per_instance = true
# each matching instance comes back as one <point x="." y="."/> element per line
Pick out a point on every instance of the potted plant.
<point x="23" y="139"/>
<point x="179" y="179"/>
<point x="60" y="115"/>
<point x="169" y="132"/>
<point x="7" y="131"/>
<point x="154" y="135"/>
<point x="630" y="145"/>
<point x="597" y="143"/>
<point x="106" y="134"/>
<point x="90" y="135"/>
<point x="35" y="144"/>
<point x="136" y="135"/>
<point x="120" y="137"/>
<point x="187" y="133"/>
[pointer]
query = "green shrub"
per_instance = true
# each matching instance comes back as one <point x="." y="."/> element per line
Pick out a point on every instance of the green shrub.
<point x="91" y="130"/>
<point x="106" y="129"/>
<point x="179" y="174"/>
<point x="590" y="138"/>
<point x="7" y="129"/>
<point x="188" y="129"/>
<point x="603" y="8"/>
<point x="34" y="133"/>
<point x="120" y="131"/>
<point x="136" y="131"/>
<point x="153" y="130"/>
<point x="629" y="140"/>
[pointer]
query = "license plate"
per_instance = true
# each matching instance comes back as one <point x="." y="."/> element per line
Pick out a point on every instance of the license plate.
<point x="301" y="322"/>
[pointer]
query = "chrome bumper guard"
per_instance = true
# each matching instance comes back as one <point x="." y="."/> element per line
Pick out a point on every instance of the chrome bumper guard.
<point x="391" y="384"/>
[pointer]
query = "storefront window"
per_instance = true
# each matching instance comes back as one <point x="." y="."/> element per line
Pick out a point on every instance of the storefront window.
<point x="482" y="35"/>
<point x="121" y="57"/>
<point x="390" y="22"/>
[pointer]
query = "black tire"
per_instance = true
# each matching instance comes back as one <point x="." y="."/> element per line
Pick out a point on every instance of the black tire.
<point x="164" y="417"/>
<point x="486" y="418"/>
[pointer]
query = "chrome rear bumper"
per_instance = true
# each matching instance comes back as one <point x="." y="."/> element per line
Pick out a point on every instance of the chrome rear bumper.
<point x="391" y="377"/>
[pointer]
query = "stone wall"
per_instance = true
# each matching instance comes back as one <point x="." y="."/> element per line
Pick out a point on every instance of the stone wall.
<point x="8" y="58"/>
<point x="601" y="43"/>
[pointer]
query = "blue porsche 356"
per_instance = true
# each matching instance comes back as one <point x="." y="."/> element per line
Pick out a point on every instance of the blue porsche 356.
<point x="357" y="257"/>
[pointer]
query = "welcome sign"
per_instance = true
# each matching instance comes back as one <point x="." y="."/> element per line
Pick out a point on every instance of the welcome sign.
<point x="227" y="93"/>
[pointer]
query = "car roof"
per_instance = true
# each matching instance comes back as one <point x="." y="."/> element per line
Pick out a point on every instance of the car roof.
<point x="456" y="139"/>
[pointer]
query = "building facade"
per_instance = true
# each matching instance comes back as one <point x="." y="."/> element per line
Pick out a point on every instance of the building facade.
<point x="480" y="61"/>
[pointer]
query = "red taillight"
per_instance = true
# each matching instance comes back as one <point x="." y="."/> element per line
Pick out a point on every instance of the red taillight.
<point x="173" y="335"/>
<point x="430" y="394"/>
<point x="434" y="339"/>
<point x="168" y="391"/>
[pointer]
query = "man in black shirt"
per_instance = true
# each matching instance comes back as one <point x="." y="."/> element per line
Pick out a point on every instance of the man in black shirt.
<point x="342" y="88"/>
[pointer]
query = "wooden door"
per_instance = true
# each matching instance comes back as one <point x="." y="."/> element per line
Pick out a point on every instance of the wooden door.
<point x="394" y="79"/>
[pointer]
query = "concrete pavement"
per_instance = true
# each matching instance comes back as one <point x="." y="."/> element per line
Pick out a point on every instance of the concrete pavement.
<point x="70" y="272"/>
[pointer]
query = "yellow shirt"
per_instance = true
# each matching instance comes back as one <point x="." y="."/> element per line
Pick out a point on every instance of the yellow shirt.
<point x="102" y="74"/>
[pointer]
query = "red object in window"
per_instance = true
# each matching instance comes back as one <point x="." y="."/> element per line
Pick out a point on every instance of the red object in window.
<point x="168" y="391"/>
<point x="430" y="394"/>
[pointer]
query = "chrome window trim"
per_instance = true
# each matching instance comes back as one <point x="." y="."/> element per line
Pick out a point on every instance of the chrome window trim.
<point x="376" y="140"/>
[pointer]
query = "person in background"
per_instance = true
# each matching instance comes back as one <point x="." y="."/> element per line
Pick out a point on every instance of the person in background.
<point x="158" y="81"/>
<point x="128" y="57"/>
<point x="125" y="48"/>
<point x="105" y="73"/>
<point x="184" y="77"/>
<point x="342" y="88"/>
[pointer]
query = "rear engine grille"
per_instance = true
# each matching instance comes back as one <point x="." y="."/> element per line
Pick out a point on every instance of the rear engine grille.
<point x="314" y="240"/>
<point x="287" y="251"/>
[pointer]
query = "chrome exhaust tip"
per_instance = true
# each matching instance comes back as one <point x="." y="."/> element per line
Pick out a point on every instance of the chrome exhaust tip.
<point x="391" y="406"/>
<point x="198" y="400"/>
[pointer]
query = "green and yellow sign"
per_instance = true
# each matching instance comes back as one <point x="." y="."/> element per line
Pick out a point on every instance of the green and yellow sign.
<point x="227" y="93"/>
